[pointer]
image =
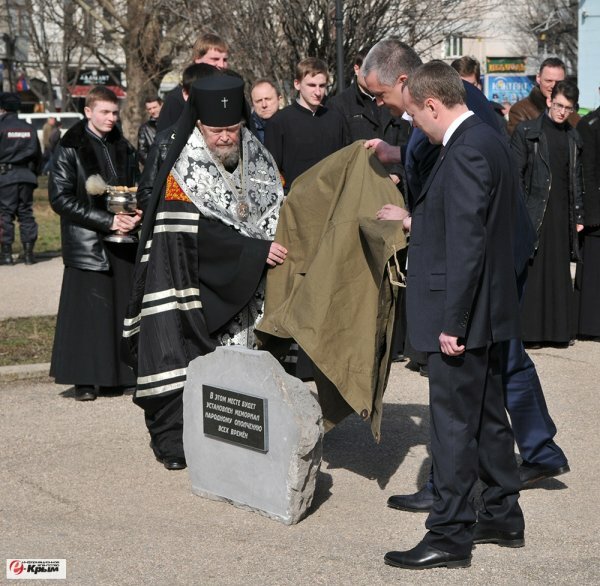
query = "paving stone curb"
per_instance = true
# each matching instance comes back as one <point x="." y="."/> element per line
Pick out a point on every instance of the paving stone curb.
<point x="24" y="372"/>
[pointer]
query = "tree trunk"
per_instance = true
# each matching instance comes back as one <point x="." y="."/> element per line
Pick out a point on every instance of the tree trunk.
<point x="144" y="66"/>
<point x="131" y="111"/>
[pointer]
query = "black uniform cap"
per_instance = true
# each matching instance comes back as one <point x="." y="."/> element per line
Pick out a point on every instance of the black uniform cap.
<point x="9" y="102"/>
<point x="218" y="100"/>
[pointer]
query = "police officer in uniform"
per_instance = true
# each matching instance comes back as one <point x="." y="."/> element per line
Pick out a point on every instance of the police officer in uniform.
<point x="20" y="157"/>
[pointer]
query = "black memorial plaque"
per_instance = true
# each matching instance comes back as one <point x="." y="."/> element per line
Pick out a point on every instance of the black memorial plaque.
<point x="235" y="417"/>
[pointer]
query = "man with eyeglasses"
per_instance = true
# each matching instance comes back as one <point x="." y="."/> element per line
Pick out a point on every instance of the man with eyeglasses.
<point x="552" y="70"/>
<point x="548" y="151"/>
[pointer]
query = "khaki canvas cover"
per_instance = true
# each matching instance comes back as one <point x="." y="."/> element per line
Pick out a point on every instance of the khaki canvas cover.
<point x="334" y="295"/>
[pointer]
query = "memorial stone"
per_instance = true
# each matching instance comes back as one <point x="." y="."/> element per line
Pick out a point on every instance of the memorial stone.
<point x="252" y="433"/>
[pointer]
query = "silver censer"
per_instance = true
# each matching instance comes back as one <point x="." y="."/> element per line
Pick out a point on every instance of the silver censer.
<point x="121" y="202"/>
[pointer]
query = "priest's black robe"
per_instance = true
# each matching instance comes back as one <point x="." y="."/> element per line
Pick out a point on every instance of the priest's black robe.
<point x="202" y="275"/>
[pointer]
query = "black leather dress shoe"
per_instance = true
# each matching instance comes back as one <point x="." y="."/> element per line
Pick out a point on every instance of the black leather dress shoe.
<point x="174" y="463"/>
<point x="85" y="393"/>
<point x="423" y="557"/>
<point x="419" y="502"/>
<point x="488" y="534"/>
<point x="412" y="365"/>
<point x="530" y="473"/>
<point x="533" y="346"/>
<point x="169" y="462"/>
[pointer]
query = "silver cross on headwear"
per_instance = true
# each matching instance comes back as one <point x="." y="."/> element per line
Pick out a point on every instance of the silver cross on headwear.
<point x="225" y="100"/>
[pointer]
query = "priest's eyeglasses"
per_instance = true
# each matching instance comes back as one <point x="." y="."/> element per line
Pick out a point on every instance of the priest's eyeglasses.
<point x="562" y="108"/>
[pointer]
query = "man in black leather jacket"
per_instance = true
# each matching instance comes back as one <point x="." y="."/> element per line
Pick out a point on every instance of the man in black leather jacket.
<point x="547" y="152"/>
<point x="97" y="274"/>
<point x="531" y="148"/>
<point x="365" y="119"/>
<point x="147" y="131"/>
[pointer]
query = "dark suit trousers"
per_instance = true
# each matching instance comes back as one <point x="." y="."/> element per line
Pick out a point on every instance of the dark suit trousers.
<point x="470" y="438"/>
<point x="531" y="422"/>
<point x="532" y="425"/>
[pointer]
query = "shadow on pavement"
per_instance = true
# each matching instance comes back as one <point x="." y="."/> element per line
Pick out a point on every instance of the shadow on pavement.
<point x="322" y="491"/>
<point x="549" y="484"/>
<point x="350" y="444"/>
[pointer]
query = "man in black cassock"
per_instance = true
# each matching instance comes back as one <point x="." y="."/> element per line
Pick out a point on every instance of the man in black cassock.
<point x="306" y="132"/>
<point x="204" y="250"/>
<point x="587" y="280"/>
<point x="97" y="276"/>
<point x="300" y="136"/>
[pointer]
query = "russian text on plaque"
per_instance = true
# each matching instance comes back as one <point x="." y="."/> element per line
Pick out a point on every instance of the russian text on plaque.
<point x="235" y="417"/>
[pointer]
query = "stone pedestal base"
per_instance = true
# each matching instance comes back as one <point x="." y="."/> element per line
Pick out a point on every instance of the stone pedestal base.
<point x="279" y="482"/>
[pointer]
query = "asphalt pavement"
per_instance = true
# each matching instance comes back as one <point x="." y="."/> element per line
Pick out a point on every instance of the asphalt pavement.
<point x="79" y="482"/>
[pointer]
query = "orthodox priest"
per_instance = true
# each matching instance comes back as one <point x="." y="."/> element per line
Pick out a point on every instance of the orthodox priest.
<point x="205" y="246"/>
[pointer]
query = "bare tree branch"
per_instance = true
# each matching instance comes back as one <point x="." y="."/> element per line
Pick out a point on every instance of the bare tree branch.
<point x="551" y="27"/>
<point x="95" y="15"/>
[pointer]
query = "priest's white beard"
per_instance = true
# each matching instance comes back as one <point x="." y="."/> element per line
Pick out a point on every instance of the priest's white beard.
<point x="229" y="156"/>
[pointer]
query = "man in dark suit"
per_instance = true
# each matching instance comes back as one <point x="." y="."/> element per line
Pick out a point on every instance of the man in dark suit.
<point x="461" y="303"/>
<point x="386" y="67"/>
<point x="366" y="119"/>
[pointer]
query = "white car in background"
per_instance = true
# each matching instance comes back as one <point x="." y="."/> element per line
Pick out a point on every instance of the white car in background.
<point x="37" y="120"/>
